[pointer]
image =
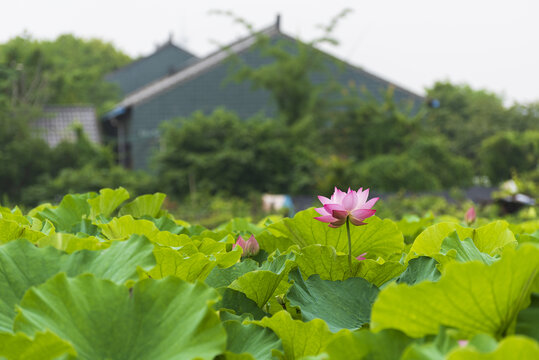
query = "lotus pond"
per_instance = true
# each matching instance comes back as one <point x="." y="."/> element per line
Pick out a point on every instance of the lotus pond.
<point x="103" y="276"/>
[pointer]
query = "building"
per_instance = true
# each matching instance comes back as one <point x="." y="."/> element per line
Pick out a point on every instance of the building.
<point x="173" y="83"/>
<point x="58" y="123"/>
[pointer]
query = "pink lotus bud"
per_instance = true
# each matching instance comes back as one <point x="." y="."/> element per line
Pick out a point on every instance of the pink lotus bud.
<point x="239" y="242"/>
<point x="249" y="247"/>
<point x="361" y="257"/>
<point x="463" y="343"/>
<point x="252" y="248"/>
<point x="470" y="216"/>
<point x="351" y="205"/>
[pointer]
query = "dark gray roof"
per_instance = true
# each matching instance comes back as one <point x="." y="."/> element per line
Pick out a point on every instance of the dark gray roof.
<point x="166" y="60"/>
<point x="58" y="121"/>
<point x="195" y="68"/>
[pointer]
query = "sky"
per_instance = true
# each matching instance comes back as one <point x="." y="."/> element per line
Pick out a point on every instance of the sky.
<point x="487" y="44"/>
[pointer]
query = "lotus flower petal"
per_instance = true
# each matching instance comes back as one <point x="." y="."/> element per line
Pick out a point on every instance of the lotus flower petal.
<point x="337" y="223"/>
<point x="362" y="214"/>
<point x="332" y="207"/>
<point x="349" y="202"/>
<point x="351" y="205"/>
<point x="357" y="222"/>
<point x="326" y="218"/>
<point x="369" y="204"/>
<point x="362" y="197"/>
<point x="361" y="257"/>
<point x="340" y="214"/>
<point x="322" y="211"/>
<point x="324" y="200"/>
<point x="470" y="216"/>
<point x="338" y="196"/>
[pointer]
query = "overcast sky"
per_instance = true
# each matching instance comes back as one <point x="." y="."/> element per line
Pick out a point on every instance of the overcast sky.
<point x="488" y="44"/>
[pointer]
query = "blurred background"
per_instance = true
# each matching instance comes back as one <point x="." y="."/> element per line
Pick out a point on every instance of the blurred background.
<point x="432" y="105"/>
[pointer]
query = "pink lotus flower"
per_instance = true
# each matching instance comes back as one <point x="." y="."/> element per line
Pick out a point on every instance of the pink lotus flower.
<point x="470" y="216"/>
<point x="249" y="247"/>
<point x="361" y="257"/>
<point x="352" y="205"/>
<point x="463" y="343"/>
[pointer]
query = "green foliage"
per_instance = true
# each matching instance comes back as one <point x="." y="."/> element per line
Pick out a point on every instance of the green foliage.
<point x="380" y="238"/>
<point x="20" y="167"/>
<point x="68" y="70"/>
<point x="395" y="172"/>
<point x="472" y="297"/>
<point x="88" y="178"/>
<point x="290" y="70"/>
<point x="507" y="152"/>
<point x="24" y="266"/>
<point x="181" y="325"/>
<point x="44" y="346"/>
<point x="220" y="153"/>
<point x="341" y="304"/>
<point x="146" y="285"/>
<point x="365" y="126"/>
<point x="435" y="156"/>
<point x="465" y="116"/>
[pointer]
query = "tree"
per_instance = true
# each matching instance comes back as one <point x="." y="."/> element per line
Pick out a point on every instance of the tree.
<point x="506" y="152"/>
<point x="465" y="116"/>
<point x="365" y="127"/>
<point x="33" y="73"/>
<point x="295" y="73"/>
<point x="68" y="70"/>
<point x="220" y="153"/>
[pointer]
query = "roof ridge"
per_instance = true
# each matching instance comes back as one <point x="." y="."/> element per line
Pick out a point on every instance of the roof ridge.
<point x="198" y="65"/>
<point x="159" y="48"/>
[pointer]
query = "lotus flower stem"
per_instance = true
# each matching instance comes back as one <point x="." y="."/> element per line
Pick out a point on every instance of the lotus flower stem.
<point x="349" y="244"/>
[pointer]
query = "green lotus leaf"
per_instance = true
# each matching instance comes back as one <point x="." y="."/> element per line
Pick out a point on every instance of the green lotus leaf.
<point x="532" y="238"/>
<point x="220" y="277"/>
<point x="240" y="304"/>
<point x="525" y="227"/>
<point x="298" y="338"/>
<point x="166" y="238"/>
<point x="67" y="216"/>
<point x="11" y="230"/>
<point x="512" y="347"/>
<point x="107" y="201"/>
<point x="71" y="243"/>
<point x="489" y="239"/>
<point x="22" y="265"/>
<point x="44" y="346"/>
<point x="251" y="339"/>
<point x="462" y="250"/>
<point x="144" y="205"/>
<point x="444" y="342"/>
<point x="379" y="238"/>
<point x="420" y="269"/>
<point x="341" y="304"/>
<point x="472" y="297"/>
<point x="167" y="224"/>
<point x="156" y="319"/>
<point x="170" y="262"/>
<point x="241" y="225"/>
<point x="125" y="226"/>
<point x="385" y="345"/>
<point x="232" y="356"/>
<point x="18" y="218"/>
<point x="260" y="285"/>
<point x="189" y="263"/>
<point x="528" y="319"/>
<point x="324" y="261"/>
<point x="413" y="225"/>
